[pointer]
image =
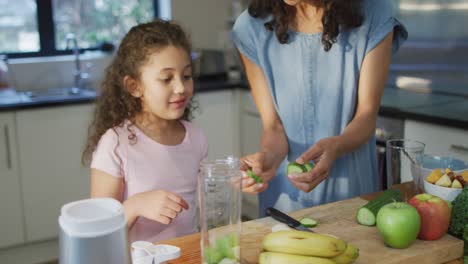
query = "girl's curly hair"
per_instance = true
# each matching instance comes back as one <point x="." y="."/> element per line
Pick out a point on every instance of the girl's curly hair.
<point x="115" y="103"/>
<point x="338" y="15"/>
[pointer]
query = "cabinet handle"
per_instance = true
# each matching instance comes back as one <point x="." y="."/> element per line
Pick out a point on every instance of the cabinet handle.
<point x="7" y="145"/>
<point x="459" y="147"/>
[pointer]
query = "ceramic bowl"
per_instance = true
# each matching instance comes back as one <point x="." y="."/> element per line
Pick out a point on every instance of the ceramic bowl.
<point x="446" y="193"/>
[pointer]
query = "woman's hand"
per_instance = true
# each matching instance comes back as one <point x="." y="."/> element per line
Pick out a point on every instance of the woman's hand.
<point x="323" y="153"/>
<point x="159" y="205"/>
<point x="263" y="165"/>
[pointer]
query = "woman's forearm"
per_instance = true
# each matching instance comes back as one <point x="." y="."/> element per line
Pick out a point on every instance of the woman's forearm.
<point x="275" y="143"/>
<point x="357" y="133"/>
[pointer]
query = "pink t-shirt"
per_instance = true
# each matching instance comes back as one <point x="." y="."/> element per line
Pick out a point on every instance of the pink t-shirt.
<point x="149" y="165"/>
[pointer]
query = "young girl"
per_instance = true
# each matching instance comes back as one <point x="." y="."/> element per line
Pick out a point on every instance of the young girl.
<point x="143" y="151"/>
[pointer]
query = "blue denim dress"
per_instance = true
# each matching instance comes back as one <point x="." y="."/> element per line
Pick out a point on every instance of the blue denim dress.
<point x="315" y="95"/>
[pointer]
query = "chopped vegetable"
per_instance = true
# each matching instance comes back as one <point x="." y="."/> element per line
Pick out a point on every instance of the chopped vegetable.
<point x="367" y="214"/>
<point x="294" y="167"/>
<point x="459" y="215"/>
<point x="254" y="176"/>
<point x="308" y="222"/>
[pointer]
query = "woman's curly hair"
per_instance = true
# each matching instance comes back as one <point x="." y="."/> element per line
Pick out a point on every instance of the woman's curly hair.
<point x="338" y="15"/>
<point x="115" y="104"/>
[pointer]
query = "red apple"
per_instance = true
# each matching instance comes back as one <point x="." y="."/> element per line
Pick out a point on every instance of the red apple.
<point x="434" y="213"/>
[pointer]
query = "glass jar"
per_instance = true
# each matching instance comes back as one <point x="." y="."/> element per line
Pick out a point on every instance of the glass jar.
<point x="219" y="192"/>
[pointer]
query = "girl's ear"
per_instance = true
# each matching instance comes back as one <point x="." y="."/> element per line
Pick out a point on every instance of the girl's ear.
<point x="132" y="86"/>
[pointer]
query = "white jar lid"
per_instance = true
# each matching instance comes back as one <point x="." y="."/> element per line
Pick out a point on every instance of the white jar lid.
<point x="92" y="217"/>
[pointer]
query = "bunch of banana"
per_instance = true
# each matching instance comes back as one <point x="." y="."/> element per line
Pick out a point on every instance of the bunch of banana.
<point x="300" y="247"/>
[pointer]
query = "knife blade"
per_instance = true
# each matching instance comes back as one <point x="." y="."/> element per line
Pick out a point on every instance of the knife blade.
<point x="286" y="219"/>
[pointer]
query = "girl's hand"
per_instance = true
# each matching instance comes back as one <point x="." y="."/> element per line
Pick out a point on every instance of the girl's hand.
<point x="262" y="164"/>
<point x="323" y="153"/>
<point x="159" y="205"/>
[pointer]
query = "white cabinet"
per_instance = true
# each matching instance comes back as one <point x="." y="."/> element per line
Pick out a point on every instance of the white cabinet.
<point x="50" y="143"/>
<point x="439" y="140"/>
<point x="218" y="116"/>
<point x="11" y="220"/>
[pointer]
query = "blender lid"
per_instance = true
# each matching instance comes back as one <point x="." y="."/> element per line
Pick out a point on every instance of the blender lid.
<point x="92" y="217"/>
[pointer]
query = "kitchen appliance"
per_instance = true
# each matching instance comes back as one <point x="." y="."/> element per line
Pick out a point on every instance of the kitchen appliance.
<point x="219" y="190"/>
<point x="286" y="219"/>
<point x="93" y="231"/>
<point x="208" y="63"/>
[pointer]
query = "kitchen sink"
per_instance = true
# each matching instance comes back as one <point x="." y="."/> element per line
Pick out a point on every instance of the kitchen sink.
<point x="57" y="94"/>
<point x="45" y="95"/>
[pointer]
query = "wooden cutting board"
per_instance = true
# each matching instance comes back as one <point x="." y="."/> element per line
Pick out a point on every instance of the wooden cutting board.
<point x="339" y="219"/>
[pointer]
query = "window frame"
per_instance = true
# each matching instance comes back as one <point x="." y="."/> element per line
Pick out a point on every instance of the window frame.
<point x="46" y="30"/>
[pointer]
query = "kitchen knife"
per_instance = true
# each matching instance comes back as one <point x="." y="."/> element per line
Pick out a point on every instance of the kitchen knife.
<point x="286" y="219"/>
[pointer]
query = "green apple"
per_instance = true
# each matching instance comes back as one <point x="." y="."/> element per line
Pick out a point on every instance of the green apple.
<point x="399" y="224"/>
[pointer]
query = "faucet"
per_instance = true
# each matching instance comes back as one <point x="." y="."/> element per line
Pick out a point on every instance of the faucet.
<point x="77" y="74"/>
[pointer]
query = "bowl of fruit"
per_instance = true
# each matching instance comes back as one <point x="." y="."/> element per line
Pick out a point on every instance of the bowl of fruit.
<point x="445" y="183"/>
<point x="444" y="176"/>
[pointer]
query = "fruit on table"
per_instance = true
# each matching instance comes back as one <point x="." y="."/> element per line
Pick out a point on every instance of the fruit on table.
<point x="434" y="213"/>
<point x="282" y="258"/>
<point x="304" y="243"/>
<point x="294" y="167"/>
<point x="457" y="184"/>
<point x="448" y="178"/>
<point x="434" y="176"/>
<point x="348" y="256"/>
<point x="399" y="224"/>
<point x="464" y="174"/>
<point x="444" y="181"/>
<point x="300" y="247"/>
<point x="366" y="215"/>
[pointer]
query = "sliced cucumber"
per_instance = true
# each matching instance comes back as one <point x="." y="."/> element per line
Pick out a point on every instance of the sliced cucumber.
<point x="294" y="167"/>
<point x="308" y="222"/>
<point x="254" y="176"/>
<point x="367" y="214"/>
<point x="308" y="166"/>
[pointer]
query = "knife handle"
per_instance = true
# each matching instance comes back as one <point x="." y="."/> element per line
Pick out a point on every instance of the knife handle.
<point x="282" y="217"/>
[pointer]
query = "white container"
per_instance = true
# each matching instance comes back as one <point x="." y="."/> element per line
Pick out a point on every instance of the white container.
<point x="446" y="193"/>
<point x="93" y="231"/>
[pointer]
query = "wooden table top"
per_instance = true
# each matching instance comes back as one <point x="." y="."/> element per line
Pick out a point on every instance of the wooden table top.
<point x="190" y="245"/>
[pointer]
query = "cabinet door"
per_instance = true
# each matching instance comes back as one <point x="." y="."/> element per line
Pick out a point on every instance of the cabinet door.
<point x="439" y="140"/>
<point x="50" y="142"/>
<point x="11" y="223"/>
<point x="218" y="116"/>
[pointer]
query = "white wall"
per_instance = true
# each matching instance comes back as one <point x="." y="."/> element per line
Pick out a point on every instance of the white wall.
<point x="205" y="20"/>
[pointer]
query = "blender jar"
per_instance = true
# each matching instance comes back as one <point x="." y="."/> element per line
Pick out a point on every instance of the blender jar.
<point x="219" y="189"/>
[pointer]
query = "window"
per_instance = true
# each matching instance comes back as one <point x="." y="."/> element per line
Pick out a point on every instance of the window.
<point x="40" y="27"/>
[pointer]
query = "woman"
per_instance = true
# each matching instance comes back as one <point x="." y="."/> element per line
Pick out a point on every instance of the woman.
<point x="317" y="71"/>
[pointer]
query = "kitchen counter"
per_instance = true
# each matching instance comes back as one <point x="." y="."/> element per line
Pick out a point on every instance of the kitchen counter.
<point x="190" y="245"/>
<point x="446" y="110"/>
